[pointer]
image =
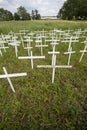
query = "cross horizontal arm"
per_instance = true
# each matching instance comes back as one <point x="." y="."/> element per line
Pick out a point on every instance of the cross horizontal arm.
<point x="41" y="45"/>
<point x="83" y="51"/>
<point x="53" y="52"/>
<point x="13" y="75"/>
<point x="51" y="66"/>
<point x="69" y="52"/>
<point x="70" y="41"/>
<point x="28" y="47"/>
<point x="3" y="47"/>
<point x="31" y="57"/>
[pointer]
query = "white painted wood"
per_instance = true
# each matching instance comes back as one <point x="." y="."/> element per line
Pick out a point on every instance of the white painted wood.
<point x="31" y="58"/>
<point x="12" y="75"/>
<point x="1" y="53"/>
<point x="4" y="47"/>
<point x="83" y="51"/>
<point x="15" y="44"/>
<point x="53" y="73"/>
<point x="53" y="66"/>
<point x="32" y="63"/>
<point x="29" y="50"/>
<point x="69" y="53"/>
<point x="41" y="47"/>
<point x="56" y="66"/>
<point x="8" y="76"/>
<point x="54" y="52"/>
<point x="9" y="80"/>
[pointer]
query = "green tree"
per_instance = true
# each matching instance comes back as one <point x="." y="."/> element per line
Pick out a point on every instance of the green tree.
<point x="16" y="16"/>
<point x="73" y="9"/>
<point x="35" y="15"/>
<point x="82" y="12"/>
<point x="32" y="15"/>
<point x="5" y="15"/>
<point x="22" y="12"/>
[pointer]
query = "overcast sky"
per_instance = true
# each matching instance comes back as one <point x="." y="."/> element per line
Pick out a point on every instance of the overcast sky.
<point x="45" y="7"/>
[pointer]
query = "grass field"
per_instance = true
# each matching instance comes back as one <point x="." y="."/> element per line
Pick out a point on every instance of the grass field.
<point x="38" y="104"/>
<point x="15" y="26"/>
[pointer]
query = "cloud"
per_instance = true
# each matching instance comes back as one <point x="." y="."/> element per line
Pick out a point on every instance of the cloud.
<point x="45" y="7"/>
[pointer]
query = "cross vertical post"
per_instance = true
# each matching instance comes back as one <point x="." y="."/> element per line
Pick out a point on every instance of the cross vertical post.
<point x="9" y="80"/>
<point x="83" y="51"/>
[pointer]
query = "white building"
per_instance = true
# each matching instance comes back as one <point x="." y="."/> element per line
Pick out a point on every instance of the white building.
<point x="48" y="17"/>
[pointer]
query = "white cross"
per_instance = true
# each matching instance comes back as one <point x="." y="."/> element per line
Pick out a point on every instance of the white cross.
<point x="69" y="52"/>
<point x="53" y="66"/>
<point x="41" y="46"/>
<point x="70" y="40"/>
<point x="15" y="44"/>
<point x="29" y="50"/>
<point x="53" y="52"/>
<point x="83" y="51"/>
<point x="28" y="40"/>
<point x="8" y="76"/>
<point x="3" y="47"/>
<point x="1" y="53"/>
<point x="38" y="40"/>
<point x="31" y="58"/>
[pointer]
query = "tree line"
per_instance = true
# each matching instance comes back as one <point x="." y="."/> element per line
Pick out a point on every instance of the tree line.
<point x="21" y="14"/>
<point x="73" y="9"/>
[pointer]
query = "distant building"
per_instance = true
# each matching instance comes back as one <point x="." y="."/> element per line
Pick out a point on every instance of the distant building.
<point x="48" y="17"/>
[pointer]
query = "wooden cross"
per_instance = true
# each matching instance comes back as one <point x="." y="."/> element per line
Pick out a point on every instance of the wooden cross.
<point x="83" y="51"/>
<point x="53" y="52"/>
<point x="69" y="53"/>
<point x="2" y="46"/>
<point x="8" y="76"/>
<point x="70" y="39"/>
<point x="29" y="50"/>
<point x="4" y="50"/>
<point x="15" y="44"/>
<point x="31" y="58"/>
<point x="53" y="66"/>
<point x="28" y="40"/>
<point x="41" y="47"/>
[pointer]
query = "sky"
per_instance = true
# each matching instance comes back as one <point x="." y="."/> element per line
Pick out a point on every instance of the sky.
<point x="45" y="7"/>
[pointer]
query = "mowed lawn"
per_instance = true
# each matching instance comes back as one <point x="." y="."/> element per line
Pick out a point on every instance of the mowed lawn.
<point x="38" y="104"/>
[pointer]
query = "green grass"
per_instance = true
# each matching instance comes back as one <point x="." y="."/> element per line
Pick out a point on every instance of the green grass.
<point x="38" y="104"/>
<point x="15" y="26"/>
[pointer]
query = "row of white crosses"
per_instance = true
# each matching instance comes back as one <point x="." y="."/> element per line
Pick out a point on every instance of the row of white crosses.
<point x="40" y="45"/>
<point x="11" y="39"/>
<point x="53" y="66"/>
<point x="16" y="43"/>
